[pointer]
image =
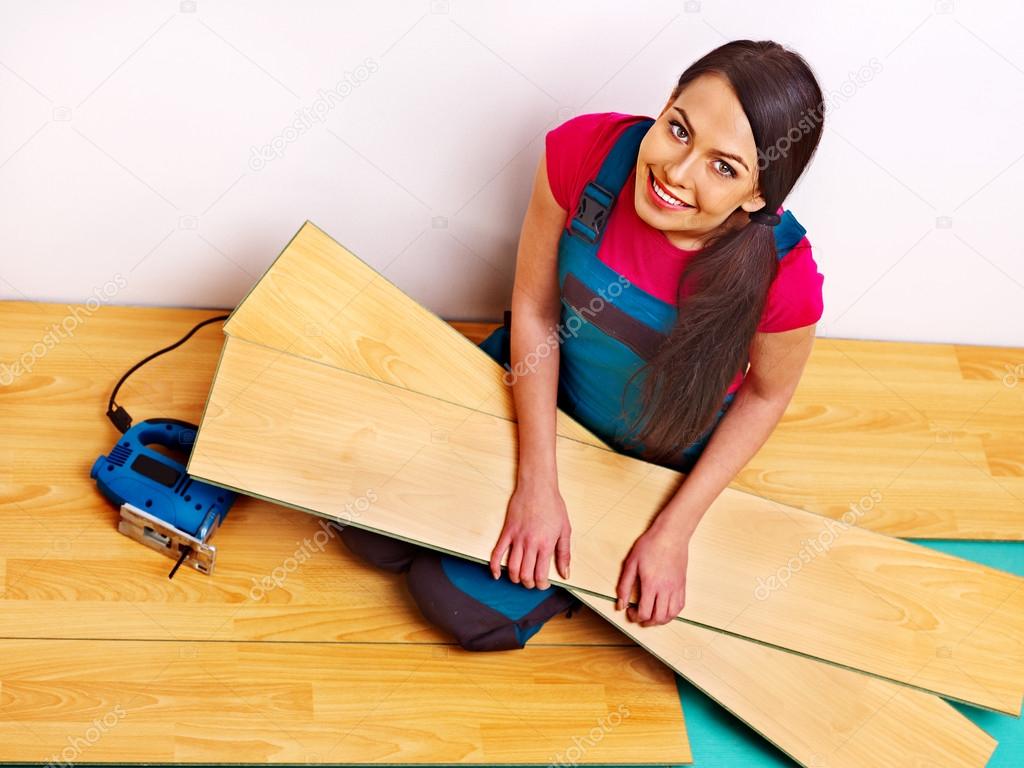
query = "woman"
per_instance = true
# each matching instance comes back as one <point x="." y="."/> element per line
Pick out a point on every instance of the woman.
<point x="672" y="274"/>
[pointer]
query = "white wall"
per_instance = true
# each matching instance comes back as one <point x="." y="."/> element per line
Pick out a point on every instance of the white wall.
<point x="127" y="132"/>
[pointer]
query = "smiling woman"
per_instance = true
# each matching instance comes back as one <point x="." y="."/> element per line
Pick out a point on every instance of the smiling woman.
<point x="655" y="247"/>
<point x="732" y="139"/>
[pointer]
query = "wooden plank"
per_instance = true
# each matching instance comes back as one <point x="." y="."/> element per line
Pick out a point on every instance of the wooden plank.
<point x="317" y="438"/>
<point x="311" y="703"/>
<point x="92" y="584"/>
<point x="913" y="727"/>
<point x="296" y="660"/>
<point x="452" y="388"/>
<point x="870" y="420"/>
<point x="825" y="715"/>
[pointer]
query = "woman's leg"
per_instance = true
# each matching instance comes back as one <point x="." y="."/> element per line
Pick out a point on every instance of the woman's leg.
<point x="483" y="613"/>
<point x="460" y="596"/>
<point x="377" y="549"/>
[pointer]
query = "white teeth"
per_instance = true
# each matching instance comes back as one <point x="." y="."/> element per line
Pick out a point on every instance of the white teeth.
<point x="665" y="196"/>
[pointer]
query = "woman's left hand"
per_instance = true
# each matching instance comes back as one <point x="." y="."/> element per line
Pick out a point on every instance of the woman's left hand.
<point x="658" y="559"/>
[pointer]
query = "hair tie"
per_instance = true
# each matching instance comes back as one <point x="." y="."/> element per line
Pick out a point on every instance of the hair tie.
<point x="763" y="217"/>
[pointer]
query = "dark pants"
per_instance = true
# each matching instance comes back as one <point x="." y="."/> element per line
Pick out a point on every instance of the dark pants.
<point x="460" y="596"/>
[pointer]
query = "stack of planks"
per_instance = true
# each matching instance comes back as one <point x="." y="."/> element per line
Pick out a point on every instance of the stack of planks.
<point x="332" y="382"/>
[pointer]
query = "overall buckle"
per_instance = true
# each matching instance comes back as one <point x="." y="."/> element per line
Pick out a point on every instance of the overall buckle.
<point x="591" y="212"/>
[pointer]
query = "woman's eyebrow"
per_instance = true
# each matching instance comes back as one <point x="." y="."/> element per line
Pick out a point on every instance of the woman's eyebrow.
<point x="689" y="127"/>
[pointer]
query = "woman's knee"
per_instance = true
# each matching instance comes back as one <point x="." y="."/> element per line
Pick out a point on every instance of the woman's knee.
<point x="385" y="552"/>
<point x="483" y="614"/>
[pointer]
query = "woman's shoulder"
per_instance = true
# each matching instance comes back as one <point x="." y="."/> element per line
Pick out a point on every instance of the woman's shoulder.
<point x="575" y="148"/>
<point x="591" y="125"/>
<point x="795" y="297"/>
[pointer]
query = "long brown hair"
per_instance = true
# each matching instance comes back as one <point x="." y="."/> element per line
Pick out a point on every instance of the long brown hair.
<point x="723" y="288"/>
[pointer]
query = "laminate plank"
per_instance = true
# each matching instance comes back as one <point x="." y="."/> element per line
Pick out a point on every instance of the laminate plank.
<point x="448" y="386"/>
<point x="920" y="408"/>
<point x="320" y="439"/>
<point x="867" y="721"/>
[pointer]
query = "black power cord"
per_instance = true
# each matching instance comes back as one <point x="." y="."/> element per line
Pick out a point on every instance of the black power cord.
<point x="119" y="416"/>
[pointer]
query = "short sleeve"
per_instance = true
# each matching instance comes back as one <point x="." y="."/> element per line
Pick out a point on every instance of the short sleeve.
<point x="795" y="296"/>
<point x="566" y="149"/>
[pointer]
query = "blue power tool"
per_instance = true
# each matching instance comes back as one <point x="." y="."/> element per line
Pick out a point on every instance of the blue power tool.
<point x="161" y="505"/>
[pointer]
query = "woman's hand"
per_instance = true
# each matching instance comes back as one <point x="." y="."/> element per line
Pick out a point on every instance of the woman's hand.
<point x="658" y="559"/>
<point x="536" y="525"/>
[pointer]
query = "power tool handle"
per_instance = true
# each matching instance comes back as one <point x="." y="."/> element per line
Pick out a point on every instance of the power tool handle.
<point x="170" y="433"/>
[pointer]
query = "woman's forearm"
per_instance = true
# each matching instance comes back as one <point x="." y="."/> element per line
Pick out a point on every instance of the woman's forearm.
<point x="739" y="435"/>
<point x="534" y="357"/>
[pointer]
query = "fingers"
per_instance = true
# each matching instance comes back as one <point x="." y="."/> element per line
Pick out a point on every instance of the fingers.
<point x="515" y="560"/>
<point x="498" y="553"/>
<point x="625" y="586"/>
<point x="529" y="562"/>
<point x="645" y="608"/>
<point x="540" y="572"/>
<point x="660" y="610"/>
<point x="665" y="608"/>
<point x="529" y="565"/>
<point x="674" y="605"/>
<point x="635" y="613"/>
<point x="562" y="555"/>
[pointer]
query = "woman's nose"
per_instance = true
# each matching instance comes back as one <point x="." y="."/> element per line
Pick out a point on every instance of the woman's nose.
<point x="679" y="174"/>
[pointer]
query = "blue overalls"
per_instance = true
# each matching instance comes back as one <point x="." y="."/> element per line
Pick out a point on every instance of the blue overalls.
<point x="609" y="327"/>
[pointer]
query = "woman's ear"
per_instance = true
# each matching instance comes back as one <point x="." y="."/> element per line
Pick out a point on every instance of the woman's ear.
<point x="754" y="204"/>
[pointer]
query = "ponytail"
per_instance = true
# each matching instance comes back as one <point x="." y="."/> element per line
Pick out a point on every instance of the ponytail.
<point x="721" y="296"/>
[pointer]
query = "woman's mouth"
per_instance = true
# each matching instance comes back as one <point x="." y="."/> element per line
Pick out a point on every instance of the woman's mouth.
<point x="661" y="197"/>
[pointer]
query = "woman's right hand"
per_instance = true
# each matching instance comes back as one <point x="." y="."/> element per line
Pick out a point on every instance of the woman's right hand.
<point x="536" y="525"/>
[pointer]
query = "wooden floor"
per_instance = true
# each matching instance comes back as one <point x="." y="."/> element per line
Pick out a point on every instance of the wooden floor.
<point x="200" y="672"/>
<point x="919" y="440"/>
<point x="102" y="658"/>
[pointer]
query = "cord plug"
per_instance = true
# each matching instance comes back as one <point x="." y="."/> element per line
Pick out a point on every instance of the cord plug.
<point x="119" y="418"/>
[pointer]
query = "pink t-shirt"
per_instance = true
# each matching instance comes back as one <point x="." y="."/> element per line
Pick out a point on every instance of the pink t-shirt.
<point x="644" y="255"/>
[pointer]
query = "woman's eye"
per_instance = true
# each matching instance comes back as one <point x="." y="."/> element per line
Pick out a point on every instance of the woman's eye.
<point x="730" y="171"/>
<point x="673" y="124"/>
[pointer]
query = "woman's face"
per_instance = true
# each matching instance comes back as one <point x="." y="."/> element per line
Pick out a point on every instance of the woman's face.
<point x="701" y="152"/>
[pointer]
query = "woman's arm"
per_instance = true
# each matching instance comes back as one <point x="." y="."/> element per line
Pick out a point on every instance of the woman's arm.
<point x="536" y="311"/>
<point x="658" y="558"/>
<point x="536" y="522"/>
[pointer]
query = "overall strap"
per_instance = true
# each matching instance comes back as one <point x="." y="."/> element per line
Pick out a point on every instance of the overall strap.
<point x="599" y="194"/>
